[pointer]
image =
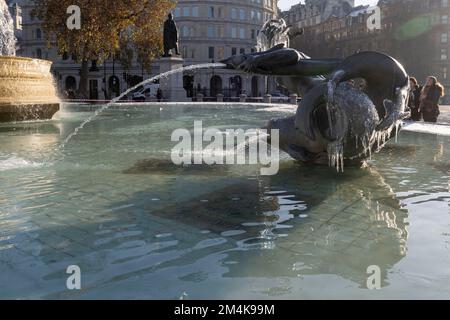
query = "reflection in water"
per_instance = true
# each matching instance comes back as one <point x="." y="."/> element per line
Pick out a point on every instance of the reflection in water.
<point x="442" y="166"/>
<point x="357" y="223"/>
<point x="338" y="226"/>
<point x="35" y="137"/>
<point x="166" y="166"/>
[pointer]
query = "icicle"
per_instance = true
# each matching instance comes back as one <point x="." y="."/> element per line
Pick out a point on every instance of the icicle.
<point x="330" y="121"/>
<point x="329" y="105"/>
<point x="367" y="143"/>
<point x="336" y="155"/>
<point x="378" y="137"/>
<point x="397" y="128"/>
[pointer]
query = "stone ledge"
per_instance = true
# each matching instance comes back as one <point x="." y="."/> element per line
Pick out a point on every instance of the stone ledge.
<point x="23" y="112"/>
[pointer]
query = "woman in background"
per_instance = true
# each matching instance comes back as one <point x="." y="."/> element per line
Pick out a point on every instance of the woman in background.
<point x="429" y="99"/>
<point x="414" y="99"/>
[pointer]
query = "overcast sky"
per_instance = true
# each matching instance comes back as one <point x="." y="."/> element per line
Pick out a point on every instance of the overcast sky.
<point x="286" y="4"/>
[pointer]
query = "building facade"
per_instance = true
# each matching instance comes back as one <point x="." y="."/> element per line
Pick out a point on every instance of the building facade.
<point x="415" y="32"/>
<point x="208" y="32"/>
<point x="313" y="12"/>
<point x="212" y="30"/>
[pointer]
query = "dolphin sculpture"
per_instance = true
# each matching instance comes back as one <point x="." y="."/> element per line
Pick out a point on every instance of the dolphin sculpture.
<point x="336" y="121"/>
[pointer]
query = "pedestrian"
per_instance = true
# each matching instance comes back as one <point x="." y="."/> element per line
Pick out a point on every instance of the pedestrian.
<point x="414" y="99"/>
<point x="429" y="99"/>
<point x="159" y="94"/>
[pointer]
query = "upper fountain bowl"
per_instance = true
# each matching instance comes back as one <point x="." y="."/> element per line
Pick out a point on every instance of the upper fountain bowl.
<point x="27" y="90"/>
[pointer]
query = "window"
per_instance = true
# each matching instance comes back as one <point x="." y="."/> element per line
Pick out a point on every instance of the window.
<point x="444" y="54"/>
<point x="444" y="72"/>
<point x="233" y="51"/>
<point x="19" y="22"/>
<point x="195" y="11"/>
<point x="242" y="14"/>
<point x="258" y="15"/>
<point x="444" y="3"/>
<point x="185" y="31"/>
<point x="444" y="19"/>
<point x="186" y="12"/>
<point x="39" y="53"/>
<point x="234" y="32"/>
<point x="233" y="13"/>
<point x="192" y="53"/>
<point x="221" y="32"/>
<point x="211" y="12"/>
<point x="176" y="12"/>
<point x="38" y="34"/>
<point x="211" y="32"/>
<point x="211" y="52"/>
<point x="253" y="34"/>
<point x="444" y="37"/>
<point x="242" y="50"/>
<point x="242" y="33"/>
<point x="185" y="52"/>
<point x="220" y="52"/>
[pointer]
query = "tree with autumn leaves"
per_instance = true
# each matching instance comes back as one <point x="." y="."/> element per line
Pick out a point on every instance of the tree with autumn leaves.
<point x="108" y="27"/>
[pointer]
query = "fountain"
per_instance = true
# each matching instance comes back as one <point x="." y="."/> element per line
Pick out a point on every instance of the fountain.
<point x="27" y="91"/>
<point x="338" y="119"/>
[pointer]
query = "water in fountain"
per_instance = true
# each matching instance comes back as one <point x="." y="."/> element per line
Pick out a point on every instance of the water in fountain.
<point x="150" y="80"/>
<point x="7" y="38"/>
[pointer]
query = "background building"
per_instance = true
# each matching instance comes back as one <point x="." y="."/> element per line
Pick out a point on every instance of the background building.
<point x="212" y="30"/>
<point x="208" y="32"/>
<point x="313" y="12"/>
<point x="415" y="32"/>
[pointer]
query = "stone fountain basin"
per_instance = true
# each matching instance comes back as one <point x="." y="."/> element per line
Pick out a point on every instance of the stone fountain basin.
<point x="27" y="89"/>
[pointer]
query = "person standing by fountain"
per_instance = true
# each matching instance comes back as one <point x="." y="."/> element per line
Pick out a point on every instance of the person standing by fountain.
<point x="429" y="99"/>
<point x="159" y="94"/>
<point x="414" y="99"/>
<point x="170" y="36"/>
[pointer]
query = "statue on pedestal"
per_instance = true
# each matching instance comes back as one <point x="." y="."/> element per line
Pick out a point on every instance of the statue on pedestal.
<point x="170" y="36"/>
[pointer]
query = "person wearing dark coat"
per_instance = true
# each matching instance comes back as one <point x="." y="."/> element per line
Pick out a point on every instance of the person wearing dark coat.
<point x="429" y="99"/>
<point x="159" y="94"/>
<point x="414" y="99"/>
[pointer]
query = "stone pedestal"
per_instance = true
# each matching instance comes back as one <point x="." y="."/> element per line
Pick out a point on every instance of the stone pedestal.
<point x="199" y="97"/>
<point x="220" y="97"/>
<point x="172" y="86"/>
<point x="267" y="98"/>
<point x="242" y="97"/>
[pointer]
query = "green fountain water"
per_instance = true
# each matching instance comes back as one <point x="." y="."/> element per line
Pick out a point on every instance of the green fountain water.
<point x="140" y="227"/>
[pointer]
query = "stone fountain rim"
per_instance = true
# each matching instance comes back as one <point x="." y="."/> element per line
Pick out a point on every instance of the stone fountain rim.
<point x="25" y="59"/>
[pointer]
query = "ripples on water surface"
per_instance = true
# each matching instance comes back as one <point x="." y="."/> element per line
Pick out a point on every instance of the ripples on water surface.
<point x="140" y="227"/>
